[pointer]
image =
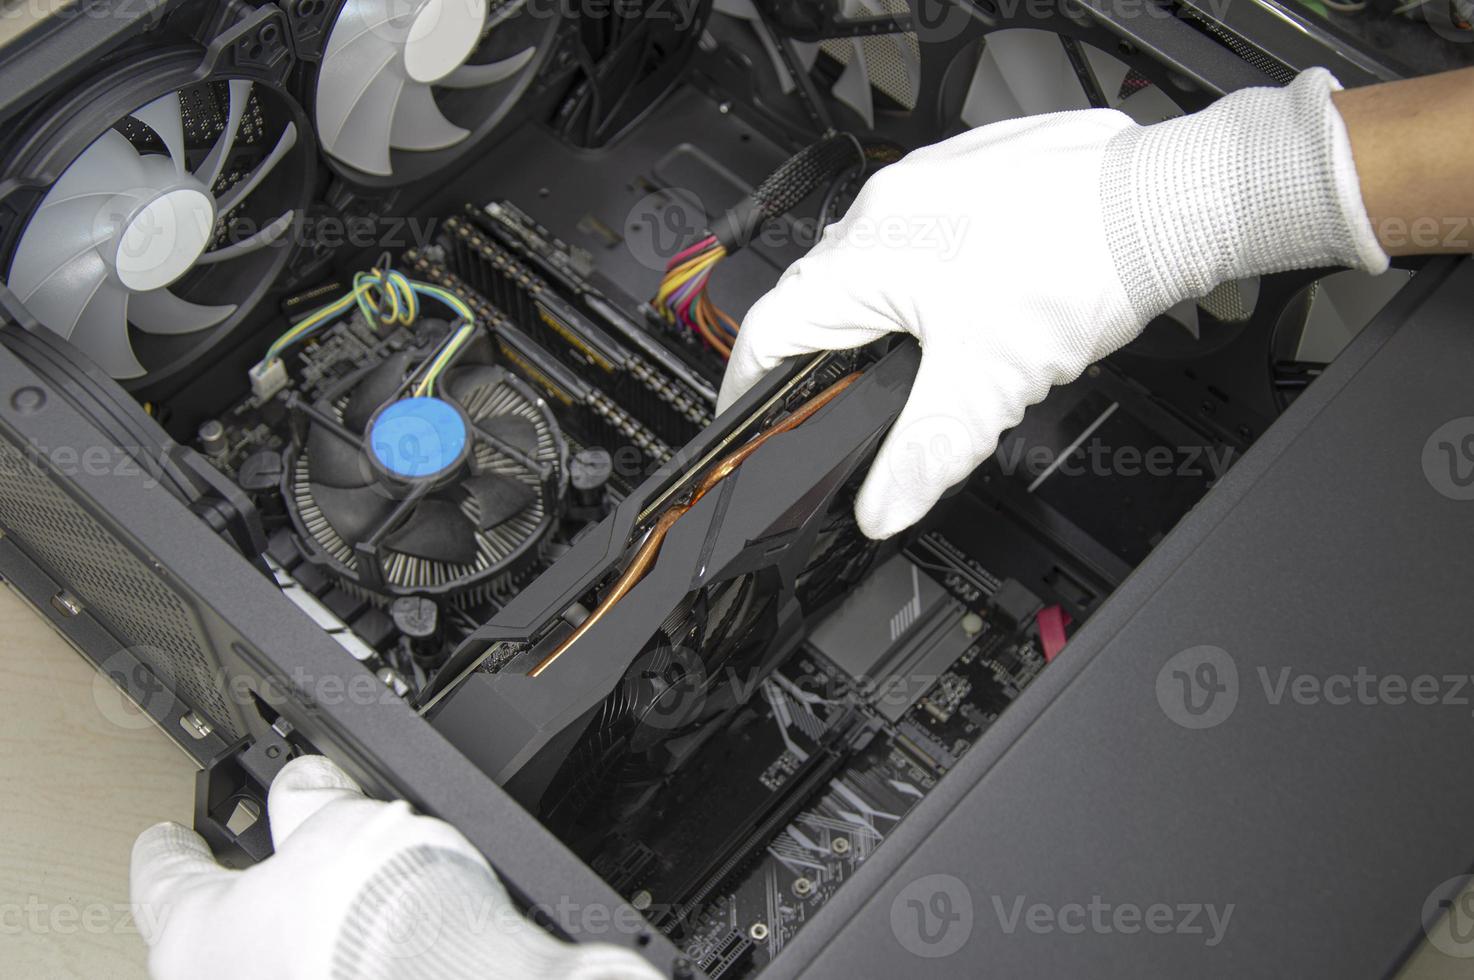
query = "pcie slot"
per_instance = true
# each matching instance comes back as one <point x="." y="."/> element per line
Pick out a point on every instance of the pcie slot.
<point x="812" y="775"/>
<point x="599" y="419"/>
<point x="668" y="408"/>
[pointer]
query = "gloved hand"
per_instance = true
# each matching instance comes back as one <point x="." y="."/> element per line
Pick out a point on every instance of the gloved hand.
<point x="1021" y="252"/>
<point x="357" y="889"/>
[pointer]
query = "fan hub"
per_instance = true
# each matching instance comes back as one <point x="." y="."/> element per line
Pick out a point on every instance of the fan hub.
<point x="442" y="36"/>
<point x="164" y="238"/>
<point x="419" y="439"/>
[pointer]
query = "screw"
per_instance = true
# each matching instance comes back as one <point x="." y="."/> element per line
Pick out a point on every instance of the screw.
<point x="802" y="887"/>
<point x="841" y="845"/>
<point x="758" y="932"/>
<point x="66" y="604"/>
<point x="28" y="400"/>
<point x="196" y="726"/>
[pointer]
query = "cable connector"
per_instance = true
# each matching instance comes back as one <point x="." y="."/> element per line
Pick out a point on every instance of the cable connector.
<point x="267" y="378"/>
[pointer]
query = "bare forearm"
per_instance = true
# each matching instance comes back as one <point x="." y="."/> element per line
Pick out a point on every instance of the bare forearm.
<point x="1413" y="142"/>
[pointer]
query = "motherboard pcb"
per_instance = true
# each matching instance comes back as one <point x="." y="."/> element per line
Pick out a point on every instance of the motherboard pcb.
<point x="829" y="758"/>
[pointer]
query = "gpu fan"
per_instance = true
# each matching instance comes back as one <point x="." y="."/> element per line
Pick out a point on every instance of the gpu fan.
<point x="155" y="211"/>
<point x="403" y="86"/>
<point x="446" y="496"/>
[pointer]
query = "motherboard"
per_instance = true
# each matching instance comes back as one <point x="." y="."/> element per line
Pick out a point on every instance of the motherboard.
<point x="827" y="760"/>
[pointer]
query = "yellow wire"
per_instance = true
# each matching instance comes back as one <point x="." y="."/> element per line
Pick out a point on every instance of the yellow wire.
<point x="684" y="274"/>
<point x="383" y="299"/>
<point x="427" y="386"/>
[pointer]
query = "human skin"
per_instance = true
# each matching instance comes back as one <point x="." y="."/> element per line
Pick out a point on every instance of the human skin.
<point x="1413" y="142"/>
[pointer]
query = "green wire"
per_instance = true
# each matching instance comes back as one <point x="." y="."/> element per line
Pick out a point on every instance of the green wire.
<point x="382" y="299"/>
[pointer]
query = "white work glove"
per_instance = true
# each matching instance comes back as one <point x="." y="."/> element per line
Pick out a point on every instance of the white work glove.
<point x="357" y="889"/>
<point x="1021" y="252"/>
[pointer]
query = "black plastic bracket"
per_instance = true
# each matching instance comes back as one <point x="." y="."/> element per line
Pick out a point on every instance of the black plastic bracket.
<point x="230" y="798"/>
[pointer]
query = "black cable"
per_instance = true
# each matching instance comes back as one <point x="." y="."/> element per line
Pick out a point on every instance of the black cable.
<point x="785" y="188"/>
<point x="837" y="188"/>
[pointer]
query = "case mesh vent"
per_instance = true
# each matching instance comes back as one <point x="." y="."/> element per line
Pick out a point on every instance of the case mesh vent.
<point x="883" y="62"/>
<point x="113" y="584"/>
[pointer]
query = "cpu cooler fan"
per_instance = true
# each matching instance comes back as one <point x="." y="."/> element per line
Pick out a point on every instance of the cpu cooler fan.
<point x="402" y="87"/>
<point x="155" y="207"/>
<point x="443" y="496"/>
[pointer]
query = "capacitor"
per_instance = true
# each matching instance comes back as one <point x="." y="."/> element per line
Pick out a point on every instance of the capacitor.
<point x="588" y="475"/>
<point x="212" y="438"/>
<point x="418" y="620"/>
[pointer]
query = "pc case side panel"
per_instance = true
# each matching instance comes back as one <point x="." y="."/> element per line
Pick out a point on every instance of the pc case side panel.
<point x="251" y="645"/>
<point x="1319" y="826"/>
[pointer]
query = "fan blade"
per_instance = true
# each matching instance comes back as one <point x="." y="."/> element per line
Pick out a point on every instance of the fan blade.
<point x="362" y="140"/>
<point x="465" y="383"/>
<point x="910" y="59"/>
<point x="353" y="513"/>
<point x="159" y="311"/>
<point x="102" y="331"/>
<point x="58" y="300"/>
<point x="515" y="430"/>
<point x="58" y="236"/>
<point x="499" y="498"/>
<point x="1185" y="315"/>
<point x="107" y="167"/>
<point x="374" y="390"/>
<point x="227" y="201"/>
<point x="417" y="123"/>
<point x="1109" y="71"/>
<point x="366" y="22"/>
<point x="436" y="531"/>
<point x="333" y="462"/>
<point x="1038" y="72"/>
<point x="1149" y="105"/>
<point x="504" y="12"/>
<point x="76" y="215"/>
<point x="214" y="165"/>
<point x="255" y="243"/>
<point x="166" y="118"/>
<point x="476" y="76"/>
<point x="853" y="87"/>
<point x="1343" y="304"/>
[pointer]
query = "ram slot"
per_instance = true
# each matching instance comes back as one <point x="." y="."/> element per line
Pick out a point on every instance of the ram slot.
<point x="666" y="406"/>
<point x="589" y="412"/>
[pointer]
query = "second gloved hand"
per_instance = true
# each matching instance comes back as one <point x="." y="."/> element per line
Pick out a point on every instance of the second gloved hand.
<point x="357" y="888"/>
<point x="1021" y="252"/>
